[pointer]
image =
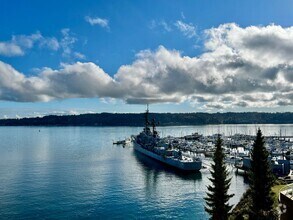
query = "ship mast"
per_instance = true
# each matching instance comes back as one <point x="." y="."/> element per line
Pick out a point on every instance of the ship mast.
<point x="154" y="127"/>
<point x="147" y="119"/>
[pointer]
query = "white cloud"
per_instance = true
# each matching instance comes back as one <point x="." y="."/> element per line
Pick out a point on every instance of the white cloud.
<point x="160" y="24"/>
<point x="97" y="21"/>
<point x="234" y="72"/>
<point x="188" y="30"/>
<point x="75" y="80"/>
<point x="18" y="44"/>
<point x="67" y="43"/>
<point x="50" y="43"/>
<point x="10" y="49"/>
<point x="27" y="41"/>
<point x="266" y="46"/>
<point x="79" y="55"/>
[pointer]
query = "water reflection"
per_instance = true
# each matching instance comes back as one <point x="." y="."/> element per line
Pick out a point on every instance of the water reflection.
<point x="155" y="168"/>
<point x="242" y="174"/>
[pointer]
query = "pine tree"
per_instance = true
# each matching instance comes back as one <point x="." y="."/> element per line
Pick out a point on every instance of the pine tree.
<point x="261" y="181"/>
<point x="218" y="197"/>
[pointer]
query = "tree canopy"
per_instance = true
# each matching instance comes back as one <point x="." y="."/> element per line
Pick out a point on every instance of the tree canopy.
<point x="217" y="196"/>
<point x="261" y="181"/>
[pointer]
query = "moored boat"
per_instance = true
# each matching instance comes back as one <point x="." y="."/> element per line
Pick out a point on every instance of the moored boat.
<point x="149" y="143"/>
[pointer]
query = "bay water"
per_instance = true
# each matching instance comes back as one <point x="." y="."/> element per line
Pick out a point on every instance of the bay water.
<point x="77" y="173"/>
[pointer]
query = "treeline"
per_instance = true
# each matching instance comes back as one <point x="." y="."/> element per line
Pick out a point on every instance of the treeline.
<point x="258" y="202"/>
<point x="164" y="119"/>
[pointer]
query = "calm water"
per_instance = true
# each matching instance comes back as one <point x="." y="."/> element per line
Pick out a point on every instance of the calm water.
<point x="76" y="172"/>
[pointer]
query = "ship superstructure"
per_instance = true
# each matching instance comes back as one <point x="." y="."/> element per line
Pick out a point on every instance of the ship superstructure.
<point x="166" y="150"/>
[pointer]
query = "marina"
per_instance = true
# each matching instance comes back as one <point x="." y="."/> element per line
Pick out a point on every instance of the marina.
<point x="187" y="153"/>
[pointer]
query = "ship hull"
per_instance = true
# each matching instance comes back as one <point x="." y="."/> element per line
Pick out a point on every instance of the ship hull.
<point x="184" y="166"/>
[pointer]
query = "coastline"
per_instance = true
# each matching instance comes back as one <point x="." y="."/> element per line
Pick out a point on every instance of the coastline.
<point x="164" y="119"/>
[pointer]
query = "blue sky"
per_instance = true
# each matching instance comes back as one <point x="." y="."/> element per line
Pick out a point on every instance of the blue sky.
<point x="38" y="37"/>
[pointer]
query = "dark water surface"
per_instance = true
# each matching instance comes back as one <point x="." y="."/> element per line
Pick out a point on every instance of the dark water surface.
<point x="76" y="172"/>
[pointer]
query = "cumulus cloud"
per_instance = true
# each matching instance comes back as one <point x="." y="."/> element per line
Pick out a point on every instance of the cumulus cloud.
<point x="102" y="22"/>
<point x="75" y="80"/>
<point x="188" y="30"/>
<point x="18" y="44"/>
<point x="265" y="46"/>
<point x="234" y="71"/>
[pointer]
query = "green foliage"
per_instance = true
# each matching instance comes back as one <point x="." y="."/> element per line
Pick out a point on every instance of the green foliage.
<point x="261" y="181"/>
<point x="242" y="209"/>
<point x="217" y="195"/>
<point x="276" y="190"/>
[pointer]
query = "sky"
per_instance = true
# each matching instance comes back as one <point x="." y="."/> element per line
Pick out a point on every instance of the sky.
<point x="74" y="57"/>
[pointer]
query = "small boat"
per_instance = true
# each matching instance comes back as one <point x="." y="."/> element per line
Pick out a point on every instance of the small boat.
<point x="122" y="142"/>
<point x="119" y="142"/>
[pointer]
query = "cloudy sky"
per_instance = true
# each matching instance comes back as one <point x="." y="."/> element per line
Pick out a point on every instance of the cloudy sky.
<point x="116" y="56"/>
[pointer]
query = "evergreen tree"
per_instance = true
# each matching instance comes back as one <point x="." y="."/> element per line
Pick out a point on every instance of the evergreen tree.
<point x="261" y="181"/>
<point x="218" y="197"/>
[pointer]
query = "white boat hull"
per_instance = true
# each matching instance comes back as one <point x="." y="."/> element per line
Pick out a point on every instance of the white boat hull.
<point x="179" y="164"/>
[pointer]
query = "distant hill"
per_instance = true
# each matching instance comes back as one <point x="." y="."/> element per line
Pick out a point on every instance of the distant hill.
<point x="164" y="119"/>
